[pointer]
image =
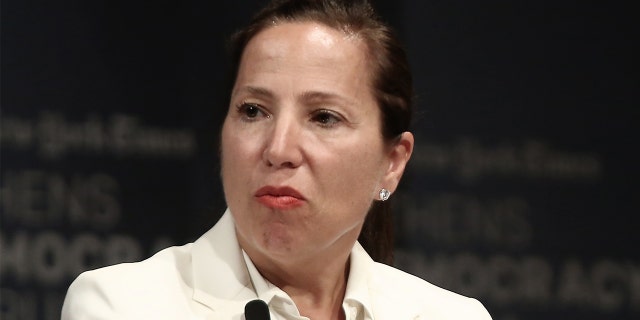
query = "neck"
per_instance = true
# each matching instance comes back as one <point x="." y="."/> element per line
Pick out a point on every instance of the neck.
<point x="318" y="294"/>
<point x="317" y="287"/>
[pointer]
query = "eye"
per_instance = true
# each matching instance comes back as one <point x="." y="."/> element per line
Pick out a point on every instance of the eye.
<point x="326" y="118"/>
<point x="251" y="111"/>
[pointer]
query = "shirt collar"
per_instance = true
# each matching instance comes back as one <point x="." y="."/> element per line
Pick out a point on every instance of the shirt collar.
<point x="358" y="284"/>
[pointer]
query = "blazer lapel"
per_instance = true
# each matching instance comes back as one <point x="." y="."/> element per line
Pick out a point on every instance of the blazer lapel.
<point x="220" y="277"/>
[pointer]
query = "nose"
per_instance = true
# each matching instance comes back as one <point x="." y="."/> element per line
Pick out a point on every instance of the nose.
<point x="283" y="146"/>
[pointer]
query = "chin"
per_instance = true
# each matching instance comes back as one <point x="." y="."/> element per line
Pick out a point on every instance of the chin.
<point x="279" y="242"/>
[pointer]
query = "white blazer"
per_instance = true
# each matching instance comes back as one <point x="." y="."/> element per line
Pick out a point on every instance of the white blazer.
<point x="208" y="279"/>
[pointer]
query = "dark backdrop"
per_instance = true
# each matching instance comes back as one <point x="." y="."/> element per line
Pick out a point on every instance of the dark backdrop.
<point x="522" y="191"/>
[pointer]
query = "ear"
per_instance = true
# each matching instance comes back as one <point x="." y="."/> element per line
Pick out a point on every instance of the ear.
<point x="399" y="154"/>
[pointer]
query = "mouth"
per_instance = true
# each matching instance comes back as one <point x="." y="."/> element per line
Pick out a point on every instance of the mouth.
<point x="281" y="198"/>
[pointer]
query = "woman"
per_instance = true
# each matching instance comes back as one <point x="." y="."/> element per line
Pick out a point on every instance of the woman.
<point x="314" y="141"/>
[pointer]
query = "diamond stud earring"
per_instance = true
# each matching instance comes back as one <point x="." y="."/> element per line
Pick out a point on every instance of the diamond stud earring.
<point x="384" y="194"/>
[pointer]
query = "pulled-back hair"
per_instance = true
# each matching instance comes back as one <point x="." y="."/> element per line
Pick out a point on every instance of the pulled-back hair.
<point x="391" y="82"/>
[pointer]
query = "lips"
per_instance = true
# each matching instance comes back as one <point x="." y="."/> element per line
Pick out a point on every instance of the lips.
<point x="281" y="198"/>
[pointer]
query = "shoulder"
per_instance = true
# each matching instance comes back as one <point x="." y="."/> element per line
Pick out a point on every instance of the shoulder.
<point x="165" y="277"/>
<point x="420" y="299"/>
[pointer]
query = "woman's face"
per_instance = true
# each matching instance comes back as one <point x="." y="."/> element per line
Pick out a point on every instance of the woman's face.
<point x="302" y="151"/>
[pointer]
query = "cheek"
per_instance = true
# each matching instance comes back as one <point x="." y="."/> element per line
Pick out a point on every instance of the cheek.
<point x="231" y="154"/>
<point x="233" y="147"/>
<point x="240" y="153"/>
<point x="225" y="150"/>
<point x="357" y="173"/>
<point x="233" y="173"/>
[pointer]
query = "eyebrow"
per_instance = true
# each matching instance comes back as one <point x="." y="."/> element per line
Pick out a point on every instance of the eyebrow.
<point x="322" y="96"/>
<point x="257" y="91"/>
<point x="309" y="96"/>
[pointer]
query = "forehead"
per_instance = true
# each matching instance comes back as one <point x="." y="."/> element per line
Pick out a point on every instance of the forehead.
<point x="308" y="43"/>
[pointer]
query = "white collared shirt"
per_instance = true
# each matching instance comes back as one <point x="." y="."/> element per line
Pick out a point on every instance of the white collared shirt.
<point x="356" y="303"/>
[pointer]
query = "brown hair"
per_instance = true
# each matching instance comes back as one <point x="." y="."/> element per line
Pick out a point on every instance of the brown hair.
<point x="391" y="82"/>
